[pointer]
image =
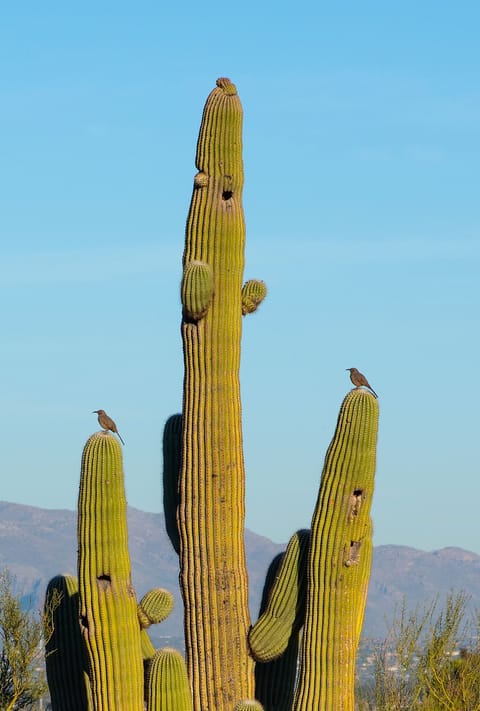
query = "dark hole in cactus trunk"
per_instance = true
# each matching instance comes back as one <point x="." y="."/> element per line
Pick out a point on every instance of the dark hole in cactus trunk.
<point x="84" y="622"/>
<point x="355" y="503"/>
<point x="104" y="581"/>
<point x="187" y="318"/>
<point x="227" y="194"/>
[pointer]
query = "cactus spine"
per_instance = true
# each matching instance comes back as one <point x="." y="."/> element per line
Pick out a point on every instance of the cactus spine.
<point x="211" y="511"/>
<point x="339" y="560"/>
<point x="108" y="608"/>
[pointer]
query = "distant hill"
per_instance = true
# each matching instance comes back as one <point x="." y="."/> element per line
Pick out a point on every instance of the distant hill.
<point x="36" y="544"/>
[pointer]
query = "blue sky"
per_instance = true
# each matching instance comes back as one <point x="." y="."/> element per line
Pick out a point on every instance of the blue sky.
<point x="361" y="150"/>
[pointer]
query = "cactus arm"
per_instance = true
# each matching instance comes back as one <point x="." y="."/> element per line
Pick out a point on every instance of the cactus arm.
<point x="248" y="705"/>
<point x="167" y="686"/>
<point x="339" y="560"/>
<point x="284" y="611"/>
<point x="284" y="597"/>
<point x="154" y="607"/>
<point x="253" y="293"/>
<point x="108" y="608"/>
<point x="65" y="658"/>
<point x="172" y="452"/>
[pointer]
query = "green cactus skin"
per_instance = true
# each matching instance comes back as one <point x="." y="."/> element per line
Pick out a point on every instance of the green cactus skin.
<point x="197" y="289"/>
<point x="211" y="514"/>
<point x="253" y="293"/>
<point x="275" y="680"/>
<point x="172" y="461"/>
<point x="168" y="688"/>
<point x="148" y="650"/>
<point x="339" y="560"/>
<point x="154" y="607"/>
<point x="248" y="705"/>
<point x="108" y="608"/>
<point x="65" y="658"/>
<point x="284" y="612"/>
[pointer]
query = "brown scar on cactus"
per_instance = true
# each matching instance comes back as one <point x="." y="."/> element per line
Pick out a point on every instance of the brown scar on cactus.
<point x="355" y="504"/>
<point x="352" y="554"/>
<point x="200" y="180"/>
<point x="104" y="582"/>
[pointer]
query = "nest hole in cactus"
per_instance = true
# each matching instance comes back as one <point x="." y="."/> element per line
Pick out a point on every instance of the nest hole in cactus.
<point x="355" y="503"/>
<point x="227" y="194"/>
<point x="104" y="581"/>
<point x="353" y="554"/>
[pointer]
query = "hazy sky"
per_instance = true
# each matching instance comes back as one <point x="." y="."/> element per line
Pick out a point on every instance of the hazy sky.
<point x="362" y="154"/>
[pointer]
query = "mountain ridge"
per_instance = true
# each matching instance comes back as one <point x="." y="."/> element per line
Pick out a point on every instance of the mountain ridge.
<point x="37" y="543"/>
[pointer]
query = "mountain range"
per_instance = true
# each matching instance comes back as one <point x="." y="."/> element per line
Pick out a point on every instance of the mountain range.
<point x="36" y="544"/>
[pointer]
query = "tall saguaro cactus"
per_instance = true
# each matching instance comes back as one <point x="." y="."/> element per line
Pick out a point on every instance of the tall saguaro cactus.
<point x="339" y="560"/>
<point x="108" y="606"/>
<point x="211" y="510"/>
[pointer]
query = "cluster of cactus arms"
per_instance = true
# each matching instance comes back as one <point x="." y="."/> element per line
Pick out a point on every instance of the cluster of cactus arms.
<point x="300" y="653"/>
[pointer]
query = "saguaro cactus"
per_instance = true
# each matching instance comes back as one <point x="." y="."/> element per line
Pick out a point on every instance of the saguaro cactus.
<point x="274" y="638"/>
<point x="108" y="607"/>
<point x="167" y="684"/>
<point x="212" y="482"/>
<point x="153" y="608"/>
<point x="339" y="560"/>
<point x="172" y="453"/>
<point x="65" y="657"/>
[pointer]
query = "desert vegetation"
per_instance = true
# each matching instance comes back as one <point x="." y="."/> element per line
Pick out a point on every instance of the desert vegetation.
<point x="430" y="661"/>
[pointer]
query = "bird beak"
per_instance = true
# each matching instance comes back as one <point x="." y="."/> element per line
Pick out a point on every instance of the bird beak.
<point x="95" y="412"/>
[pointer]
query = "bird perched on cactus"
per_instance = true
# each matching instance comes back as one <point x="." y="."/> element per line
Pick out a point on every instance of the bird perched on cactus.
<point x="107" y="423"/>
<point x="358" y="379"/>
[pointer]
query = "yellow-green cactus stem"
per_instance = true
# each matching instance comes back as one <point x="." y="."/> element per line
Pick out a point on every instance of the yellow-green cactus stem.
<point x="339" y="560"/>
<point x="275" y="680"/>
<point x="148" y="650"/>
<point x="253" y="293"/>
<point x="197" y="289"/>
<point x="65" y="658"/>
<point x="172" y="459"/>
<point x="274" y="638"/>
<point x="168" y="688"/>
<point x="154" y="607"/>
<point x="248" y="705"/>
<point x="108" y="607"/>
<point x="211" y="512"/>
<point x="284" y="612"/>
